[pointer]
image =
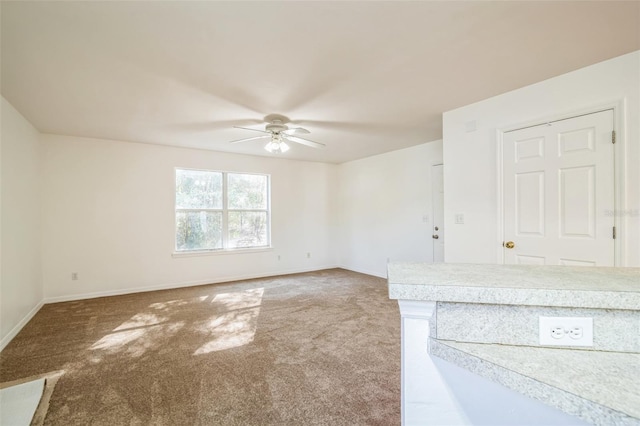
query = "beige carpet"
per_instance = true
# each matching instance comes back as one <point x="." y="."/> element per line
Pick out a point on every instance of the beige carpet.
<point x="305" y="349"/>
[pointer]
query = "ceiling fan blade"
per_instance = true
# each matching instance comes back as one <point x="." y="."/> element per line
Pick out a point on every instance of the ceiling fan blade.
<point x="355" y="126"/>
<point x="255" y="130"/>
<point x="251" y="139"/>
<point x="303" y="141"/>
<point x="298" y="130"/>
<point x="209" y="125"/>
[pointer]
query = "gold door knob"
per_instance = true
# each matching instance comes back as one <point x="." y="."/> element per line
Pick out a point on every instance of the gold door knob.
<point x="509" y="244"/>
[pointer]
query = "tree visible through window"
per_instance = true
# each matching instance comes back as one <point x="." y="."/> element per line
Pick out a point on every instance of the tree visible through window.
<point x="220" y="210"/>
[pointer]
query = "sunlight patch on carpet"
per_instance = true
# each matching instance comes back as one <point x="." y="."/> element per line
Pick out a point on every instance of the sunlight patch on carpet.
<point x="117" y="340"/>
<point x="230" y="330"/>
<point x="135" y="342"/>
<point x="240" y="299"/>
<point x="235" y="328"/>
<point x="141" y="320"/>
<point x="169" y="304"/>
<point x="142" y="331"/>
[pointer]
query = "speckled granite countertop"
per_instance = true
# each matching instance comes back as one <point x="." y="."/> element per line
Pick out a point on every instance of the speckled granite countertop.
<point x="599" y="387"/>
<point x="581" y="287"/>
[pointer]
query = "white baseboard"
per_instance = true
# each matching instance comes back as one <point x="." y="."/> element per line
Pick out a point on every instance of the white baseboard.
<point x="168" y="286"/>
<point x="15" y="330"/>
<point x="67" y="298"/>
<point x="364" y="271"/>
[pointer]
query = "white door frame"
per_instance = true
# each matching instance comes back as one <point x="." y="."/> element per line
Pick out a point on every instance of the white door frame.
<point x="433" y="211"/>
<point x="619" y="126"/>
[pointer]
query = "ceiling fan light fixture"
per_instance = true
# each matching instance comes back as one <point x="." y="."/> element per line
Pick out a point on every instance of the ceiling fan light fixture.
<point x="276" y="147"/>
<point x="277" y="131"/>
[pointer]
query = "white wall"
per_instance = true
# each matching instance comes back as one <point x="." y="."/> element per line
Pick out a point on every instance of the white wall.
<point x="20" y="261"/>
<point x="107" y="206"/>
<point x="383" y="200"/>
<point x="471" y="157"/>
<point x="109" y="217"/>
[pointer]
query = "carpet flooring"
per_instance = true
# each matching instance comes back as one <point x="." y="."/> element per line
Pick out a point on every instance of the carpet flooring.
<point x="319" y="348"/>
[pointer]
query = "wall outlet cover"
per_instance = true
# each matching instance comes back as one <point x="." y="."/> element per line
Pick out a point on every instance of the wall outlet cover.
<point x="566" y="331"/>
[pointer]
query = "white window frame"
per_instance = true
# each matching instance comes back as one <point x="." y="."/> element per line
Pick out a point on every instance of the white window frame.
<point x="225" y="215"/>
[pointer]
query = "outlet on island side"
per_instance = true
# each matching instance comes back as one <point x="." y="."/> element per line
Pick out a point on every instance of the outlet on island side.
<point x="566" y="331"/>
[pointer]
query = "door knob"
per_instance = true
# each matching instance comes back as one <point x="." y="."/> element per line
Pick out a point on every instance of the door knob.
<point x="509" y="244"/>
<point x="435" y="237"/>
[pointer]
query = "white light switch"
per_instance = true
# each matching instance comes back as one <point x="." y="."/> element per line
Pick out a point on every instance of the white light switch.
<point x="459" y="218"/>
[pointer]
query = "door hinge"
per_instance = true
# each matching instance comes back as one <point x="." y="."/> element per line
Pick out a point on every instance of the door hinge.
<point x="614" y="232"/>
<point x="613" y="136"/>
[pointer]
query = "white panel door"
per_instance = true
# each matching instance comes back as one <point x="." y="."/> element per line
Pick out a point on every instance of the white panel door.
<point x="558" y="182"/>
<point x="437" y="194"/>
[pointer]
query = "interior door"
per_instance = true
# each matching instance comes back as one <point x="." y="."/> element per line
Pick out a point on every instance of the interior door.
<point x="558" y="181"/>
<point x="437" y="233"/>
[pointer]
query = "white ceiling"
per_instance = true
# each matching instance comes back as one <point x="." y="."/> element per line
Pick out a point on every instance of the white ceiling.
<point x="363" y="77"/>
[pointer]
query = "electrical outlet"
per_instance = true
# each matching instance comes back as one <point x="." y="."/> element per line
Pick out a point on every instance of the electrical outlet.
<point x="74" y="276"/>
<point x="557" y="332"/>
<point x="566" y="331"/>
<point x="576" y="333"/>
<point x="459" y="218"/>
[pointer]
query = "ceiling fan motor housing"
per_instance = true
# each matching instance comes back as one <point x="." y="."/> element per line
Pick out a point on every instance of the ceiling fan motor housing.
<point x="276" y="126"/>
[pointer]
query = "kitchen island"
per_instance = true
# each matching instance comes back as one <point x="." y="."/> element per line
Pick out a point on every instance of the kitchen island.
<point x="475" y="350"/>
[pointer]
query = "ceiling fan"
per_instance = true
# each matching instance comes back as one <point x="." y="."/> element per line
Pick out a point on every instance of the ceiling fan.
<point x="278" y="134"/>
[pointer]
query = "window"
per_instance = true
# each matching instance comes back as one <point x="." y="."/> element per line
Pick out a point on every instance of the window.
<point x="221" y="211"/>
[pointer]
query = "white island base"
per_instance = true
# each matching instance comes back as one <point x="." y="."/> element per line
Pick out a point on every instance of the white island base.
<point x="512" y="380"/>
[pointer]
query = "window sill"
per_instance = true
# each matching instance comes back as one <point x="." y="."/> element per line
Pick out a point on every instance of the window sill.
<point x="220" y="252"/>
